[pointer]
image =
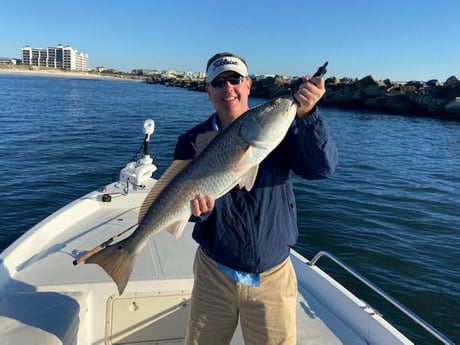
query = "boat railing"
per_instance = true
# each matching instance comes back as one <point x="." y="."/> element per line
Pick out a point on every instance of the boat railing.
<point x="409" y="313"/>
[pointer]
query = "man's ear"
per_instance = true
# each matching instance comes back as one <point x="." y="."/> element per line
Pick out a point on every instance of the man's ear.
<point x="249" y="85"/>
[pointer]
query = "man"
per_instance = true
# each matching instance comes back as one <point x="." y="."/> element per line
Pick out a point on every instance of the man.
<point x="242" y="269"/>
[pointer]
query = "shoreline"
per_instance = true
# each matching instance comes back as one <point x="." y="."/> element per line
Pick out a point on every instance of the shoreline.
<point x="65" y="74"/>
<point x="431" y="99"/>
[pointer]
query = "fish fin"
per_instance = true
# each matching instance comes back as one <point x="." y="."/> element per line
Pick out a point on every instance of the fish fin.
<point x="177" y="228"/>
<point x="174" y="169"/>
<point x="248" y="179"/>
<point x="202" y="141"/>
<point x="116" y="262"/>
<point x="245" y="162"/>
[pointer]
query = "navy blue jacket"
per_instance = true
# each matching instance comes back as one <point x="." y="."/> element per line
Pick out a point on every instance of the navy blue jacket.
<point x="254" y="231"/>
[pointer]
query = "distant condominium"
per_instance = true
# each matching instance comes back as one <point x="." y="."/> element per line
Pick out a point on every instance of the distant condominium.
<point x="61" y="56"/>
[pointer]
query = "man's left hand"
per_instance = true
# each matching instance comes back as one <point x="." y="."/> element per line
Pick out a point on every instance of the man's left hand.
<point x="309" y="93"/>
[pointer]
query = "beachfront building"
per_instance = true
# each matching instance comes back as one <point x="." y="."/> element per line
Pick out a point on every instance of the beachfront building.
<point x="8" y="61"/>
<point x="64" y="57"/>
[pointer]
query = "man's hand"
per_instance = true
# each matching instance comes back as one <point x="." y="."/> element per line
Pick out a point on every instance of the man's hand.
<point x="202" y="204"/>
<point x="309" y="93"/>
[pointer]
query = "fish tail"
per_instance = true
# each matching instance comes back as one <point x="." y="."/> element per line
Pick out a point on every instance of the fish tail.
<point x="117" y="262"/>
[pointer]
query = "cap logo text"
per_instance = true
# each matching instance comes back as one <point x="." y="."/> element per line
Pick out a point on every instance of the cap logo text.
<point x="222" y="62"/>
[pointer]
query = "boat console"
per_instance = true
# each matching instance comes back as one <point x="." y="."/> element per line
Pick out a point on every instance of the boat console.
<point x="137" y="172"/>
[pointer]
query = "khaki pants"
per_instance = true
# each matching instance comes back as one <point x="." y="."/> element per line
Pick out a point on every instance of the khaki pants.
<point x="267" y="313"/>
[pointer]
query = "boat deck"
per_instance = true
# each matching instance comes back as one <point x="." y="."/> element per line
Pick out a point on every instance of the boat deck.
<point x="45" y="297"/>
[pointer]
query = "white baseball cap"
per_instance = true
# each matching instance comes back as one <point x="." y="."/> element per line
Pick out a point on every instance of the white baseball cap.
<point x="226" y="63"/>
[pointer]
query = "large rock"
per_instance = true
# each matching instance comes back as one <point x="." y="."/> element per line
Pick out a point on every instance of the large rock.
<point x="453" y="107"/>
<point x="427" y="103"/>
<point x="452" y="81"/>
<point x="398" y="103"/>
<point x="370" y="87"/>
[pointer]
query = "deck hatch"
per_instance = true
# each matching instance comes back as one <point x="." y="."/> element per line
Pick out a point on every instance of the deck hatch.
<point x="147" y="318"/>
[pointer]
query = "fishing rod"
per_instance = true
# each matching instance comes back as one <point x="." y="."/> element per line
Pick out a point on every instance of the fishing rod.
<point x="98" y="248"/>
<point x="321" y="71"/>
<point x="294" y="85"/>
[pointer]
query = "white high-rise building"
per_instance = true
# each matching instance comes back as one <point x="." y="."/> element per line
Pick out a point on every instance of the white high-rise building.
<point x="61" y="56"/>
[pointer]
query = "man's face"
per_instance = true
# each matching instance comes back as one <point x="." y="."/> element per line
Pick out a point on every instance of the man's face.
<point x="229" y="100"/>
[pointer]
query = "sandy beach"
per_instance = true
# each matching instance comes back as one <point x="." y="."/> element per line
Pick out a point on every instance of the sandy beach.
<point x="65" y="74"/>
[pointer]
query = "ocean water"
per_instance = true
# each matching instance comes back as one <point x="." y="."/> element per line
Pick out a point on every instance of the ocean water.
<point x="391" y="211"/>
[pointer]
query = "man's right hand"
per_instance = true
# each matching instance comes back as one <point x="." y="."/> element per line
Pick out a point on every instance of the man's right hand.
<point x="202" y="204"/>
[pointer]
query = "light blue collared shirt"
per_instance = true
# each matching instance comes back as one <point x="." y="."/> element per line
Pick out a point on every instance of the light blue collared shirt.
<point x="250" y="279"/>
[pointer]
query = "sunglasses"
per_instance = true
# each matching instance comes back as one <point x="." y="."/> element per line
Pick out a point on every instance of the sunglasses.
<point x="234" y="79"/>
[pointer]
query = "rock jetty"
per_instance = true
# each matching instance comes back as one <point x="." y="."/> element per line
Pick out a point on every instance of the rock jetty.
<point x="432" y="98"/>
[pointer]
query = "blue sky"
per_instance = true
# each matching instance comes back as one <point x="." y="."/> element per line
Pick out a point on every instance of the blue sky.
<point x="396" y="39"/>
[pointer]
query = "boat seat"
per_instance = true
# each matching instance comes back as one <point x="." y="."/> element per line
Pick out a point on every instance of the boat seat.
<point x="40" y="317"/>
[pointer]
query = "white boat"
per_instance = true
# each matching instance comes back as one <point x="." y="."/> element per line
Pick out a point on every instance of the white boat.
<point x="45" y="299"/>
